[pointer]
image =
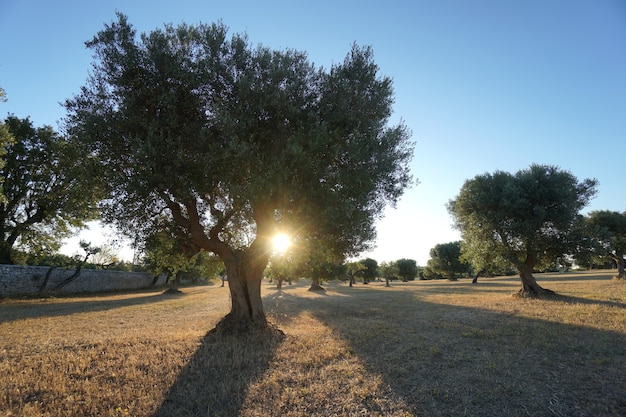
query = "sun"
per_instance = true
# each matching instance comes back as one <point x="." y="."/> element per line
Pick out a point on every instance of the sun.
<point x="281" y="242"/>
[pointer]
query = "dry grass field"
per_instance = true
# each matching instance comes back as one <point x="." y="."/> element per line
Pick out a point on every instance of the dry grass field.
<point x="425" y="348"/>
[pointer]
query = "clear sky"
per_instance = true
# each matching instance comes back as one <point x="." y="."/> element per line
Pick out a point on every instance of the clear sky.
<point x="484" y="85"/>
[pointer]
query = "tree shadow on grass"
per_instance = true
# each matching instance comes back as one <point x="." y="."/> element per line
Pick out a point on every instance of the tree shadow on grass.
<point x="588" y="301"/>
<point x="42" y="307"/>
<point x="448" y="360"/>
<point x="215" y="381"/>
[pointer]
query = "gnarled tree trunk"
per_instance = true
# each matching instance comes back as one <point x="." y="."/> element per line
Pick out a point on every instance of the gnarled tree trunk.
<point x="315" y="285"/>
<point x="530" y="288"/>
<point x="244" y="283"/>
<point x="475" y="280"/>
<point x="175" y="282"/>
<point x="244" y="268"/>
<point x="619" y="260"/>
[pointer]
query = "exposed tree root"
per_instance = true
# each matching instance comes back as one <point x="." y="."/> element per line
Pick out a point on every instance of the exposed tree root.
<point x="531" y="293"/>
<point x="174" y="291"/>
<point x="316" y="288"/>
<point x="236" y="327"/>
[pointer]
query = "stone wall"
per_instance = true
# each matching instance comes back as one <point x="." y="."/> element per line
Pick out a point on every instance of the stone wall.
<point x="20" y="280"/>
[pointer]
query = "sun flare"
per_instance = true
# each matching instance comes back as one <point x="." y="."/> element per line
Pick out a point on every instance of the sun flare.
<point x="281" y="242"/>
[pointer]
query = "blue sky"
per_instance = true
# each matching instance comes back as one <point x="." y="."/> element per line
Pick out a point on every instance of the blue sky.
<point x="483" y="85"/>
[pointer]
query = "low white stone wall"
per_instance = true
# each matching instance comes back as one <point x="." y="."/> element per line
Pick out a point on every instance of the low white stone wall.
<point x="20" y="280"/>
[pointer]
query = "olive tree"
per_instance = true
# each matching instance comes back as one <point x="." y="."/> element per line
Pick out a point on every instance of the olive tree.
<point x="406" y="269"/>
<point x="237" y="142"/>
<point x="371" y="269"/>
<point x="165" y="251"/>
<point x="608" y="229"/>
<point x="445" y="259"/>
<point x="48" y="188"/>
<point x="528" y="218"/>
<point x="389" y="271"/>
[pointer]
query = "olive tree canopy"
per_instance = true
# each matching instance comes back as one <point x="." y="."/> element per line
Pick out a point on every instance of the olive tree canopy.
<point x="608" y="228"/>
<point x="236" y="143"/>
<point x="445" y="260"/>
<point x="47" y="188"/>
<point x="528" y="218"/>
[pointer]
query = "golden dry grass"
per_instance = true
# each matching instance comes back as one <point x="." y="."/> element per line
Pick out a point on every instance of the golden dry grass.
<point x="429" y="348"/>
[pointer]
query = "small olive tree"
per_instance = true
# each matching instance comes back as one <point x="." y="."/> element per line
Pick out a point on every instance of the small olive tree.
<point x="445" y="260"/>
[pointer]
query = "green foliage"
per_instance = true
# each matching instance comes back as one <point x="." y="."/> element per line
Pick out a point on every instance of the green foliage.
<point x="56" y="259"/>
<point x="484" y="262"/>
<point x="407" y="269"/>
<point x="49" y="188"/>
<point x="527" y="219"/>
<point x="609" y="228"/>
<point x="203" y="267"/>
<point x="231" y="140"/>
<point x="6" y="140"/>
<point x="608" y="231"/>
<point x="371" y="269"/>
<point x="287" y="266"/>
<point x="388" y="270"/>
<point x="445" y="261"/>
<point x="355" y="269"/>
<point x="316" y="259"/>
<point x="165" y="252"/>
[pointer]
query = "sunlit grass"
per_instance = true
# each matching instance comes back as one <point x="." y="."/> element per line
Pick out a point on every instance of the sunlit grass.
<point x="433" y="348"/>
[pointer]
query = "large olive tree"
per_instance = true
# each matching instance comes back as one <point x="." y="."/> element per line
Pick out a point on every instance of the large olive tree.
<point x="527" y="218"/>
<point x="236" y="143"/>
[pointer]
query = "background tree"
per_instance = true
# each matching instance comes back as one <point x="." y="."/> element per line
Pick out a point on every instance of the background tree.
<point x="6" y="139"/>
<point x="591" y="253"/>
<point x="445" y="259"/>
<point x="282" y="268"/>
<point x="318" y="260"/>
<point x="389" y="271"/>
<point x="235" y="142"/>
<point x="371" y="269"/>
<point x="48" y="188"/>
<point x="166" y="252"/>
<point x="203" y="267"/>
<point x="609" y="230"/>
<point x="407" y="269"/>
<point x="354" y="270"/>
<point x="79" y="261"/>
<point x="483" y="262"/>
<point x="105" y="258"/>
<point x="526" y="218"/>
